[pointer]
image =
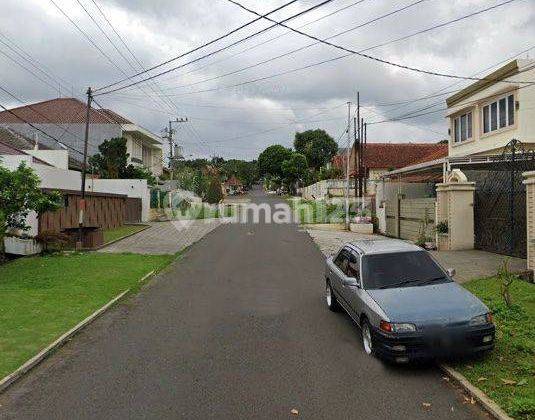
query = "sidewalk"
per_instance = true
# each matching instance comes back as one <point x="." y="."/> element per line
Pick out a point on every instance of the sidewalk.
<point x="164" y="237"/>
<point x="469" y="264"/>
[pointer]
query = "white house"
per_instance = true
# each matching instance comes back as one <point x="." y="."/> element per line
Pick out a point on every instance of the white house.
<point x="488" y="114"/>
<point x="64" y="119"/>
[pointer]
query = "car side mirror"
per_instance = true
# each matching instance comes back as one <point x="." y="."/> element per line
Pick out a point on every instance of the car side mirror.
<point x="451" y="272"/>
<point x="351" y="281"/>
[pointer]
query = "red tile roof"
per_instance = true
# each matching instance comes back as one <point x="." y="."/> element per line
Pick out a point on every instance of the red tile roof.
<point x="233" y="181"/>
<point x="399" y="155"/>
<point x="60" y="111"/>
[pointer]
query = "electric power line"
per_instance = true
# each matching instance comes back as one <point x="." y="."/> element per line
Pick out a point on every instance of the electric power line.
<point x="304" y="47"/>
<point x="199" y="47"/>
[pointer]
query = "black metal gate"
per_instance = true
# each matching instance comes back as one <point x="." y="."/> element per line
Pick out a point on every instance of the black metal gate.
<point x="500" y="201"/>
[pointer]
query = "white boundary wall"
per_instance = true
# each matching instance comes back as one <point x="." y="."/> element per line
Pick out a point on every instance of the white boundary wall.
<point x="61" y="179"/>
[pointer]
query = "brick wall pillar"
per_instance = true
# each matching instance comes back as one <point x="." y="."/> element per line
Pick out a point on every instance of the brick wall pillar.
<point x="529" y="181"/>
<point x="455" y="205"/>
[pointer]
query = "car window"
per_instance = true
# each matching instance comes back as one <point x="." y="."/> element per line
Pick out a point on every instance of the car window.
<point x="342" y="261"/>
<point x="403" y="269"/>
<point x="353" y="266"/>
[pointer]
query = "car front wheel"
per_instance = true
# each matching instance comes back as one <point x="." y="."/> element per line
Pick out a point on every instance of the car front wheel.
<point x="367" y="342"/>
<point x="330" y="298"/>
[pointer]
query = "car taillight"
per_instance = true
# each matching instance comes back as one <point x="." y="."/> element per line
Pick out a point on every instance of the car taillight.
<point x="490" y="320"/>
<point x="385" y="326"/>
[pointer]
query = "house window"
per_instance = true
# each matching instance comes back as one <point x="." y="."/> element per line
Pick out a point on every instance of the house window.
<point x="137" y="150"/>
<point x="499" y="114"/>
<point x="462" y="127"/>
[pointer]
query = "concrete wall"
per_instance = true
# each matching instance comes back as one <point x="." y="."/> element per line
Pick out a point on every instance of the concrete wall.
<point x="12" y="162"/>
<point x="455" y="205"/>
<point x="322" y="189"/>
<point x="71" y="135"/>
<point x="389" y="191"/>
<point x="530" y="217"/>
<point x="57" y="158"/>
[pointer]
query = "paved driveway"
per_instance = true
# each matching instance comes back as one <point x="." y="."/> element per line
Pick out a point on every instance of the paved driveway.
<point x="469" y="264"/>
<point x="237" y="329"/>
<point x="165" y="237"/>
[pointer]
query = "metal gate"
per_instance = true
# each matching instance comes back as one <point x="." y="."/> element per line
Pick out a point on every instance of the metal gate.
<point x="500" y="201"/>
<point x="133" y="210"/>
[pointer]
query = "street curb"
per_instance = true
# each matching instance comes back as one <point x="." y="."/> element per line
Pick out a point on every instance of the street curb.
<point x="490" y="406"/>
<point x="146" y="276"/>
<point x="43" y="354"/>
<point x="121" y="238"/>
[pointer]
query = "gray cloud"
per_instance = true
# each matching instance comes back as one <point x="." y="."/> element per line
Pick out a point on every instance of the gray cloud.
<point x="241" y="121"/>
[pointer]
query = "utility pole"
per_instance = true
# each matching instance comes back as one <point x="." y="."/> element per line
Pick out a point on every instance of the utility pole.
<point x="357" y="185"/>
<point x="348" y="155"/>
<point x="81" y="210"/>
<point x="364" y="143"/>
<point x="170" y="131"/>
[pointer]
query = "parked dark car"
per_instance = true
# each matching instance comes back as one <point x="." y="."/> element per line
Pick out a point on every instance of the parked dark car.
<point x="407" y="306"/>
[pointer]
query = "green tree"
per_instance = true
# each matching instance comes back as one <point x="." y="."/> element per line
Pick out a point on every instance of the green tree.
<point x="112" y="158"/>
<point x="112" y="162"/>
<point x="331" y="173"/>
<point x="318" y="147"/>
<point x="270" y="160"/>
<point x="246" y="172"/>
<point x="214" y="193"/>
<point x="20" y="194"/>
<point x="294" y="170"/>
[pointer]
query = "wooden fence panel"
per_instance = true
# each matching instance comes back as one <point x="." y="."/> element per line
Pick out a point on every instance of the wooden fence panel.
<point x="103" y="210"/>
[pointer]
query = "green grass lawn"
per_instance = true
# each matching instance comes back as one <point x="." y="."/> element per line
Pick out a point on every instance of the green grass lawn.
<point x="121" y="232"/>
<point x="507" y="375"/>
<point x="43" y="297"/>
<point x="318" y="211"/>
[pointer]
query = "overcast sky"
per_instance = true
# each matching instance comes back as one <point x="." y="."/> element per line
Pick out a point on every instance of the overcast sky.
<point x="241" y="121"/>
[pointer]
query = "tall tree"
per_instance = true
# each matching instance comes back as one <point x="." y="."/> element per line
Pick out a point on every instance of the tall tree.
<point x="318" y="147"/>
<point x="111" y="162"/>
<point x="270" y="160"/>
<point x="20" y="193"/>
<point x="294" y="170"/>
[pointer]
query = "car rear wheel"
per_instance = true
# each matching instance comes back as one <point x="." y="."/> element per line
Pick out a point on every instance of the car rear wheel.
<point x="367" y="342"/>
<point x="330" y="298"/>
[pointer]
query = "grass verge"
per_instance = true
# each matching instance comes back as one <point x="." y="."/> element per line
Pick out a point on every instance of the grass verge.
<point x="507" y="375"/>
<point x="120" y="232"/>
<point x="318" y="211"/>
<point x="42" y="297"/>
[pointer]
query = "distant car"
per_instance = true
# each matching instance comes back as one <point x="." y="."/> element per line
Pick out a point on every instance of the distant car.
<point x="407" y="306"/>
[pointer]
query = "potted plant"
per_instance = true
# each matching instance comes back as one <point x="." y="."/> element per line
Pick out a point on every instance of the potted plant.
<point x="362" y="223"/>
<point x="442" y="227"/>
<point x="19" y="196"/>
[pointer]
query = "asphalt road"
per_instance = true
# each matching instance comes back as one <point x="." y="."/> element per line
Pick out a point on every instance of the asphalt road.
<point x="237" y="329"/>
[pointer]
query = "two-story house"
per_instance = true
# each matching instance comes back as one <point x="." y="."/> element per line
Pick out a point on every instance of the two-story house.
<point x="64" y="119"/>
<point x="486" y="115"/>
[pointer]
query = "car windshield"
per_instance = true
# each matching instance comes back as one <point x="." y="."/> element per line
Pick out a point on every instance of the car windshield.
<point x="404" y="269"/>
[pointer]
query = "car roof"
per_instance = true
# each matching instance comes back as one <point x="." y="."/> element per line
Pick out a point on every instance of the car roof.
<point x="383" y="246"/>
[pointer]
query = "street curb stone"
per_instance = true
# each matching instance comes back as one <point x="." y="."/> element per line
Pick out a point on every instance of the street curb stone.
<point x="490" y="406"/>
<point x="43" y="354"/>
<point x="121" y="238"/>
